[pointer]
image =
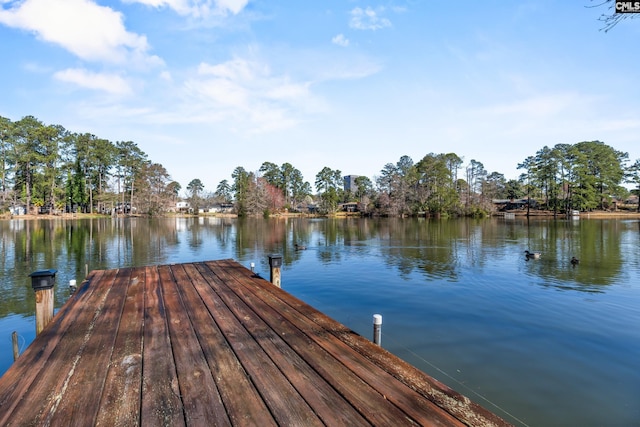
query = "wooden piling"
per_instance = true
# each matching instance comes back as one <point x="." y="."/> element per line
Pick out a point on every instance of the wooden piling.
<point x="275" y="262"/>
<point x="42" y="282"/>
<point x="16" y="351"/>
<point x="44" y="308"/>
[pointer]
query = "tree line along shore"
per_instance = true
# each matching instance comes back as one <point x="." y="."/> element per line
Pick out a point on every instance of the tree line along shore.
<point x="47" y="169"/>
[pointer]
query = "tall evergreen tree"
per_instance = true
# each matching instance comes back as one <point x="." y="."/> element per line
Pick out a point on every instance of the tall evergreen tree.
<point x="131" y="160"/>
<point x="224" y="191"/>
<point x="241" y="182"/>
<point x="27" y="156"/>
<point x="604" y="168"/>
<point x="329" y="185"/>
<point x="7" y="134"/>
<point x="194" y="189"/>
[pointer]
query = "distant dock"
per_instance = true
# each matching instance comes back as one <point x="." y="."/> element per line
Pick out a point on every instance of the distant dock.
<point x="211" y="344"/>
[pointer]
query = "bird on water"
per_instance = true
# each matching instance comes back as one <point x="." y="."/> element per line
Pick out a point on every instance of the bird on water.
<point x="575" y="261"/>
<point x="300" y="247"/>
<point x="532" y="255"/>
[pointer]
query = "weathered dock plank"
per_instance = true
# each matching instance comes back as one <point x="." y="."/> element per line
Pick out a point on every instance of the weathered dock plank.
<point x="161" y="403"/>
<point x="231" y="378"/>
<point x="120" y="402"/>
<point x="331" y="409"/>
<point x="349" y="372"/>
<point x="209" y="343"/>
<point x="285" y="403"/>
<point x="199" y="395"/>
<point x="92" y="355"/>
<point x="458" y="405"/>
<point x="43" y="372"/>
<point x="19" y="378"/>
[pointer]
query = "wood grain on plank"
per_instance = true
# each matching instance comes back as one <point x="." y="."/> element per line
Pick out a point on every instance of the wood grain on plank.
<point x="242" y="400"/>
<point x="120" y="401"/>
<point x="16" y="382"/>
<point x="198" y="392"/>
<point x="161" y="403"/>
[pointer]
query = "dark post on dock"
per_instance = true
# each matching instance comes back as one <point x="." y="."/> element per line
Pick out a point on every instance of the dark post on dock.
<point x="42" y="282"/>
<point x="275" y="262"/>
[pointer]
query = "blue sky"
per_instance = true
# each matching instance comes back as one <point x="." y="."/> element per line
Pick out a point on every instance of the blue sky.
<point x="204" y="86"/>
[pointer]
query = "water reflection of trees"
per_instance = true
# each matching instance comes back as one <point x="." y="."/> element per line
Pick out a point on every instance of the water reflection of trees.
<point x="436" y="249"/>
<point x="596" y="243"/>
<point x="71" y="246"/>
<point x="440" y="248"/>
<point x="430" y="247"/>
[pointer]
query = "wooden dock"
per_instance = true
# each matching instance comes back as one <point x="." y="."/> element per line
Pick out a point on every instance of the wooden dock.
<point x="208" y="344"/>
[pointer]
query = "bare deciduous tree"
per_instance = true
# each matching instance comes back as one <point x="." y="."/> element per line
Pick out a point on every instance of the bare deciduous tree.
<point x="611" y="18"/>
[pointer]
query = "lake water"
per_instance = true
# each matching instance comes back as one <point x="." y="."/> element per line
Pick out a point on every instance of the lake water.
<point x="538" y="342"/>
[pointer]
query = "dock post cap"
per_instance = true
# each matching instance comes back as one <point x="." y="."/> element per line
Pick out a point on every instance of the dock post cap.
<point x="43" y="279"/>
<point x="377" y="319"/>
<point x="275" y="261"/>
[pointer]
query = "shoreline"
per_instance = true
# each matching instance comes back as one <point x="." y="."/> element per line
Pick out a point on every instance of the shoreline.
<point x="518" y="214"/>
<point x="582" y="215"/>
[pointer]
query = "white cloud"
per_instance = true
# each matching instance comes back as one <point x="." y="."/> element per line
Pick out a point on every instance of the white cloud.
<point x="110" y="83"/>
<point x="221" y="91"/>
<point x="166" y="76"/>
<point x="368" y="19"/>
<point x="89" y="31"/>
<point x="197" y="8"/>
<point x="241" y="82"/>
<point x="353" y="67"/>
<point x="340" y="40"/>
<point x="284" y="91"/>
<point x="236" y="69"/>
<point x="248" y="94"/>
<point x="234" y="6"/>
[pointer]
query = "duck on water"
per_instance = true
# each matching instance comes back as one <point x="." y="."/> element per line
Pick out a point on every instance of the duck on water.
<point x="532" y="255"/>
<point x="536" y="255"/>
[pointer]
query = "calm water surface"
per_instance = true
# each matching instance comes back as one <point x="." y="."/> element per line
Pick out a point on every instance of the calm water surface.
<point x="538" y="342"/>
